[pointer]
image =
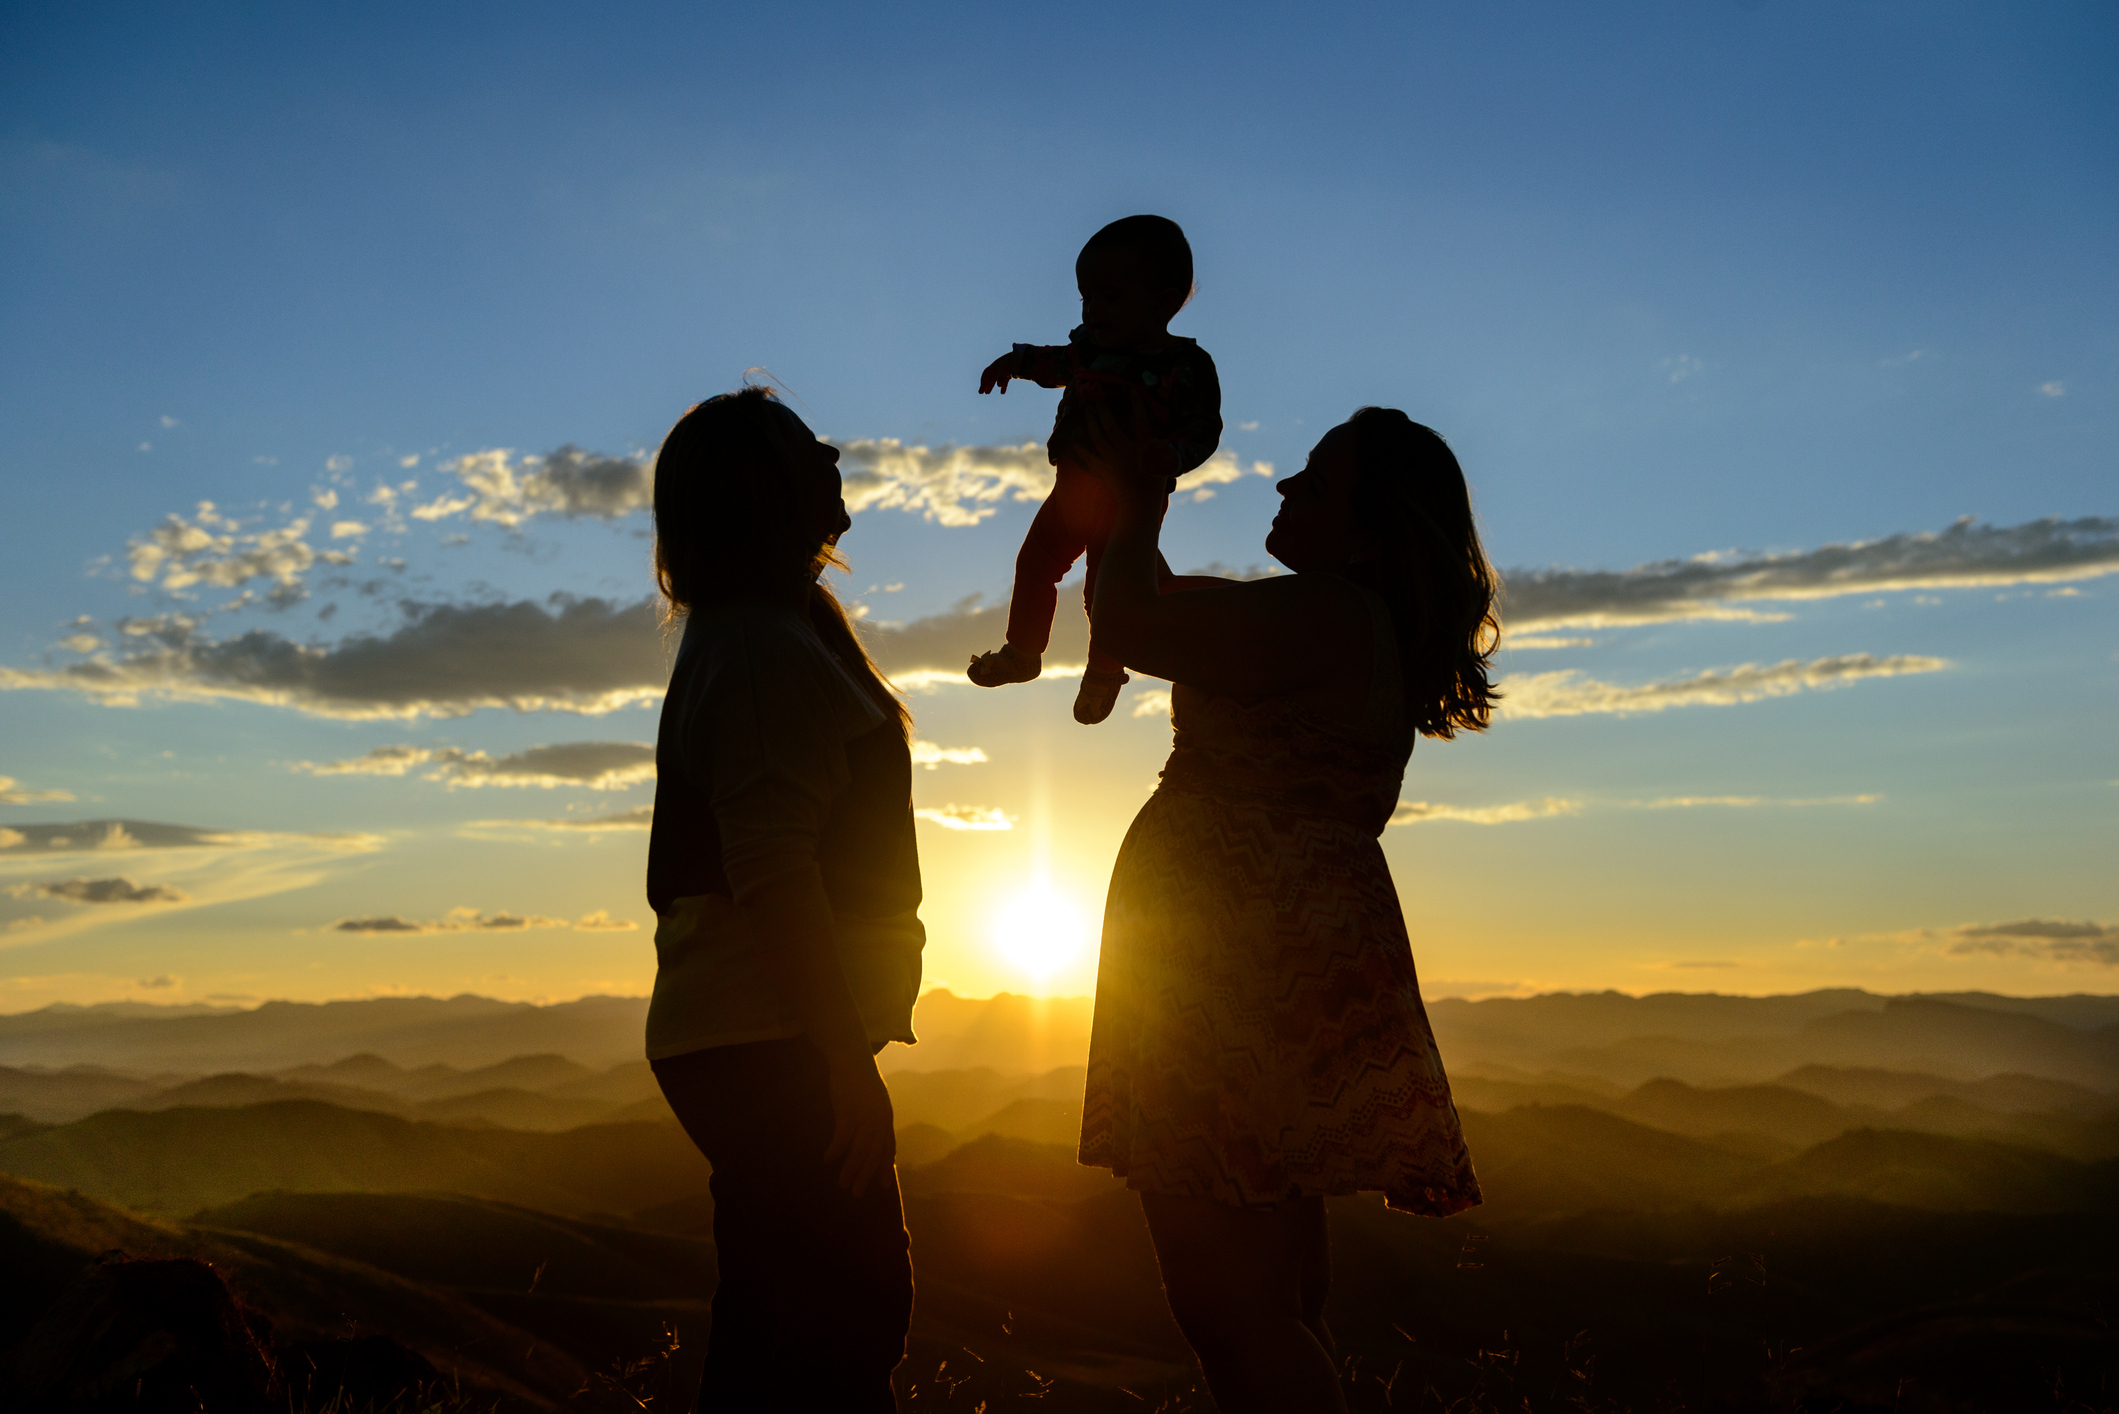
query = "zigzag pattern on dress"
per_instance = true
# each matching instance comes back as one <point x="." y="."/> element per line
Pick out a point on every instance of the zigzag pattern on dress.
<point x="1259" y="1033"/>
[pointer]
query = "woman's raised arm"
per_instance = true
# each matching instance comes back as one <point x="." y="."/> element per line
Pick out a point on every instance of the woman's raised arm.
<point x="1244" y="638"/>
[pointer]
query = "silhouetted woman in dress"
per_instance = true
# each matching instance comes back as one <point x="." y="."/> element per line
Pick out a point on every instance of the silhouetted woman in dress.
<point x="1259" y="1041"/>
<point x="786" y="883"/>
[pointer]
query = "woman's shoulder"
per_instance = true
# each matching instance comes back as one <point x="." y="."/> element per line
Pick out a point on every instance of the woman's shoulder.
<point x="766" y="650"/>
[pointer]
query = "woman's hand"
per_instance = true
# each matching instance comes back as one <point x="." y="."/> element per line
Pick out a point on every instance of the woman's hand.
<point x="862" y="1124"/>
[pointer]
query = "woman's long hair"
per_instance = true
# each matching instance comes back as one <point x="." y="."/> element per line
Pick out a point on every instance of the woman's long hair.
<point x="728" y="522"/>
<point x="1431" y="570"/>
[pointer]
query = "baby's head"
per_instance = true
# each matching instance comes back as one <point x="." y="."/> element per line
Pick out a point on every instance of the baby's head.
<point x="1135" y="274"/>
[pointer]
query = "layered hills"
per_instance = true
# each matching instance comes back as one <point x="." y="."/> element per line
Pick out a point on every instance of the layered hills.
<point x="1838" y="1198"/>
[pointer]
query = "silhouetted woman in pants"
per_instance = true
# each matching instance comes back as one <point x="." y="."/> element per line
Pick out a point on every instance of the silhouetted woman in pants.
<point x="786" y="883"/>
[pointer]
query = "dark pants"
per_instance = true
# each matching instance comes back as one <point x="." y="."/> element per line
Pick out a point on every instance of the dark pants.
<point x="816" y="1285"/>
<point x="1076" y="519"/>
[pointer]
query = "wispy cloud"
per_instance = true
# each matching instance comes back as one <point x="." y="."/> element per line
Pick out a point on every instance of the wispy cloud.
<point x="1568" y="693"/>
<point x="117" y="890"/>
<point x="472" y="920"/>
<point x="2048" y="939"/>
<point x="1967" y="555"/>
<point x="595" y="765"/>
<point x="926" y="753"/>
<point x="11" y="793"/>
<point x="966" y="817"/>
<point x="192" y="868"/>
<point x="118" y="836"/>
<point x="639" y="818"/>
<point x="1416" y="812"/>
<point x="1746" y="802"/>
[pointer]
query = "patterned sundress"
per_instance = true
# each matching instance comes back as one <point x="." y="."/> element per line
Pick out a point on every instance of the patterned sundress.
<point x="1259" y="1033"/>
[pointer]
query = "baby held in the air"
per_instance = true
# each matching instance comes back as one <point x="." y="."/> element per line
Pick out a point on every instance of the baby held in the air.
<point x="1135" y="274"/>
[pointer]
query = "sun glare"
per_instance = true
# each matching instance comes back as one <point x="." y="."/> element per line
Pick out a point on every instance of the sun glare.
<point x="1040" y="930"/>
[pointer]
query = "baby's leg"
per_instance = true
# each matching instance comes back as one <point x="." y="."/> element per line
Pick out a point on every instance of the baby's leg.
<point x="1055" y="540"/>
<point x="1051" y="547"/>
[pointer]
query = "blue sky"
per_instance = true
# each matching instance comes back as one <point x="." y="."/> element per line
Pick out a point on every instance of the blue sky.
<point x="1674" y="280"/>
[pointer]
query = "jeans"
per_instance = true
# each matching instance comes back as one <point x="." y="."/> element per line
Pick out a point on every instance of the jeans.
<point x="815" y="1293"/>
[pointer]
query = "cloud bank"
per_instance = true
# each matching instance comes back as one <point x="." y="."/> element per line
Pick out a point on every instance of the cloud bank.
<point x="590" y="656"/>
<point x="2046" y="939"/>
<point x="595" y="655"/>
<point x="1967" y="555"/>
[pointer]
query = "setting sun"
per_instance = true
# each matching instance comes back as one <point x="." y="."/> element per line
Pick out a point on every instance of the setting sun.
<point x="1040" y="930"/>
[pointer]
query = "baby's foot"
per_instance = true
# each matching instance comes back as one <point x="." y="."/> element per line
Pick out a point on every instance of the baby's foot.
<point x="1004" y="665"/>
<point x="1097" y="695"/>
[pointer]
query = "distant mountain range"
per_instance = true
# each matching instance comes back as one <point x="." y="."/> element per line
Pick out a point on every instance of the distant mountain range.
<point x="1701" y="1039"/>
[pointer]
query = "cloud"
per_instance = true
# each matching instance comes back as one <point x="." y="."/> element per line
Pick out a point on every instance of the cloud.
<point x="1416" y="812"/>
<point x="597" y="765"/>
<point x="966" y="817"/>
<point x="1151" y="702"/>
<point x="2047" y="939"/>
<point x="214" y="550"/>
<point x="1568" y="694"/>
<point x="1218" y="470"/>
<point x="926" y="753"/>
<point x="2054" y="389"/>
<point x="472" y="920"/>
<point x="118" y="890"/>
<point x="639" y="818"/>
<point x="1688" y="802"/>
<point x="590" y="656"/>
<point x="505" y="489"/>
<point x="1967" y="555"/>
<point x="949" y="485"/>
<point x="10" y="795"/>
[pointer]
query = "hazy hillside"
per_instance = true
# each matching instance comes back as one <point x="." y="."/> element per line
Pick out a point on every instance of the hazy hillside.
<point x="179" y="1161"/>
<point x="410" y="1031"/>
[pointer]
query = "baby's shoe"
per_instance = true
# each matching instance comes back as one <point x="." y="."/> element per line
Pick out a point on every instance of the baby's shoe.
<point x="1004" y="665"/>
<point x="1097" y="695"/>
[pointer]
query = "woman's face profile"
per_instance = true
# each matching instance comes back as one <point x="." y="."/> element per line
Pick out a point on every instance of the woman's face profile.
<point x="813" y="467"/>
<point x="1317" y="527"/>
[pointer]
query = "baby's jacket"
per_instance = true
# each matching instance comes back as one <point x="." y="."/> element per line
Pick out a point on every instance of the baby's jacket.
<point x="1177" y="383"/>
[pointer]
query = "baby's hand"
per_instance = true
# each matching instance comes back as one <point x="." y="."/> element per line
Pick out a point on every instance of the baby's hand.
<point x="999" y="372"/>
